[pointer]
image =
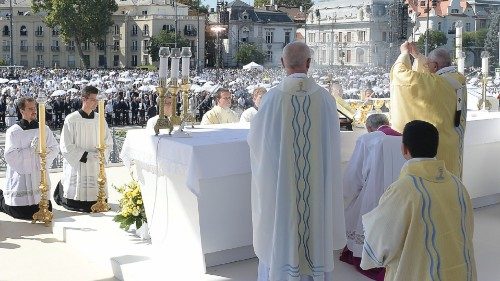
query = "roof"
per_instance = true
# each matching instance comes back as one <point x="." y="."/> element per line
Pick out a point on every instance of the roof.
<point x="239" y="3"/>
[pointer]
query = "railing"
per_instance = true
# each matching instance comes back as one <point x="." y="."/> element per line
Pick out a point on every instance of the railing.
<point x="114" y="156"/>
<point x="39" y="33"/>
<point x="133" y="48"/>
<point x="23" y="48"/>
<point x="39" y="48"/>
<point x="70" y="48"/>
<point x="5" y="34"/>
<point x="54" y="48"/>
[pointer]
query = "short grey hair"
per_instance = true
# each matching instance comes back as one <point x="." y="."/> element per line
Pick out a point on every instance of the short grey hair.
<point x="295" y="54"/>
<point x="441" y="57"/>
<point x="374" y="121"/>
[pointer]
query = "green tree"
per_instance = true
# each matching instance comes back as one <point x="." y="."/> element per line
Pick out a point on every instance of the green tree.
<point x="474" y="42"/>
<point x="436" y="39"/>
<point x="3" y="62"/>
<point x="77" y="20"/>
<point x="291" y="3"/>
<point x="491" y="41"/>
<point x="248" y="53"/>
<point x="165" y="39"/>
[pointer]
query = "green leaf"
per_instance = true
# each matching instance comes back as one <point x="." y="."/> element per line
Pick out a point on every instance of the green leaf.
<point x="138" y="223"/>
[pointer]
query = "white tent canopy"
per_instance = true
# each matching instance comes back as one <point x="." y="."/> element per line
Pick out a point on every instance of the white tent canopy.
<point x="253" y="65"/>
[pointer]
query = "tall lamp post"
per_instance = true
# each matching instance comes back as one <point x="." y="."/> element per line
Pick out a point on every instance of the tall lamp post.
<point x="217" y="29"/>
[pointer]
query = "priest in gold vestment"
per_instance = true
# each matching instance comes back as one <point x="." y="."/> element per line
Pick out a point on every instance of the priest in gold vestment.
<point x="435" y="92"/>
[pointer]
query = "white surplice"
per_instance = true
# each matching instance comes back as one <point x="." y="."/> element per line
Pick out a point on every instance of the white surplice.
<point x="23" y="165"/>
<point x="297" y="208"/>
<point x="365" y="181"/>
<point x="79" y="135"/>
<point x="248" y="114"/>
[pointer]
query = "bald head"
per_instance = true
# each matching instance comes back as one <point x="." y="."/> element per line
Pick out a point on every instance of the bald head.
<point x="296" y="57"/>
<point x="441" y="57"/>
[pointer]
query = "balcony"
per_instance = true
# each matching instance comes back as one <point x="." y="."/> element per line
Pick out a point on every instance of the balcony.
<point x="116" y="48"/>
<point x="101" y="48"/>
<point x="55" y="48"/>
<point x="117" y="36"/>
<point x="133" y="48"/>
<point x="38" y="33"/>
<point x="145" y="34"/>
<point x="6" y="48"/>
<point x="40" y="63"/>
<point x="191" y="32"/>
<point x="70" y="48"/>
<point x="23" y="48"/>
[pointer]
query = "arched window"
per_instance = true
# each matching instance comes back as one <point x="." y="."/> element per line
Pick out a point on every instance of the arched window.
<point x="24" y="31"/>
<point x="39" y="31"/>
<point x="146" y="29"/>
<point x="117" y="30"/>
<point x="135" y="28"/>
<point x="6" y="31"/>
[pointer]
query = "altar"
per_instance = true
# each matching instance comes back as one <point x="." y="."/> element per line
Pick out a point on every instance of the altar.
<point x="197" y="190"/>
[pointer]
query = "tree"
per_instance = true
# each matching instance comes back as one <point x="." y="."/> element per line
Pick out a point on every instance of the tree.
<point x="81" y="21"/>
<point x="248" y="53"/>
<point x="436" y="39"/>
<point x="195" y="5"/>
<point x="165" y="39"/>
<point x="491" y="41"/>
<point x="290" y="3"/>
<point x="474" y="42"/>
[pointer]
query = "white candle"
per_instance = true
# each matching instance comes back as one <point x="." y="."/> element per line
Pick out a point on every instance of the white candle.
<point x="163" y="67"/>
<point x="102" y="131"/>
<point x="461" y="64"/>
<point x="185" y="67"/>
<point x="484" y="66"/>
<point x="41" y="127"/>
<point x="175" y="68"/>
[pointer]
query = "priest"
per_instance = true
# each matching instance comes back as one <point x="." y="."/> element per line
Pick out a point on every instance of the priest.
<point x="435" y="92"/>
<point x="221" y="113"/>
<point x="21" y="195"/>
<point x="297" y="210"/>
<point x="78" y="187"/>
<point x="423" y="226"/>
<point x="250" y="112"/>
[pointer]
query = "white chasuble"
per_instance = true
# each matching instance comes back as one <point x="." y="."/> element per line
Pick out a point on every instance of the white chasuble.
<point x="297" y="201"/>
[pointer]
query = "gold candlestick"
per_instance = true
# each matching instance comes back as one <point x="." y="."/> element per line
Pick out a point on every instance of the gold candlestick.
<point x="186" y="116"/>
<point x="162" y="122"/>
<point x="43" y="214"/>
<point x="173" y="89"/>
<point x="101" y="205"/>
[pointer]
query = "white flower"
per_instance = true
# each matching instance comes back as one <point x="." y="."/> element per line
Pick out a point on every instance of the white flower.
<point x="135" y="212"/>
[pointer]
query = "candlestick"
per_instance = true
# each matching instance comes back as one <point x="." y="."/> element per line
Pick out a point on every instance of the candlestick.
<point x="163" y="69"/>
<point x="484" y="65"/>
<point x="102" y="132"/>
<point x="42" y="146"/>
<point x="186" y="56"/>
<point x="175" y="55"/>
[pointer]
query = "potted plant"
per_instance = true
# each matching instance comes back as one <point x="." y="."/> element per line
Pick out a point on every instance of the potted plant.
<point x="132" y="209"/>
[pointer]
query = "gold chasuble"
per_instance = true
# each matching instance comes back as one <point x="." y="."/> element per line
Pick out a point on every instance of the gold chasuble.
<point x="439" y="99"/>
<point x="422" y="228"/>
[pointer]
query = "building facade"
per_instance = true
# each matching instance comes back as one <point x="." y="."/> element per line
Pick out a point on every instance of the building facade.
<point x="269" y="29"/>
<point x="356" y="32"/>
<point x="126" y="44"/>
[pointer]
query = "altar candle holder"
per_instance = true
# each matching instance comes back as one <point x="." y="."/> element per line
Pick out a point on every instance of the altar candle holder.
<point x="186" y="116"/>
<point x="101" y="205"/>
<point x="173" y="88"/>
<point x="162" y="122"/>
<point x="43" y="214"/>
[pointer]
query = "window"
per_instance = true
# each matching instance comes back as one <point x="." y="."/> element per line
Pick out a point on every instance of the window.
<point x="323" y="39"/>
<point x="134" y="45"/>
<point x="135" y="30"/>
<point x="71" y="61"/>
<point x="134" y="60"/>
<point x="146" y="44"/>
<point x="24" y="31"/>
<point x="168" y="28"/>
<point x="6" y="31"/>
<point x="146" y="30"/>
<point x="116" y="45"/>
<point x="39" y="31"/>
<point x="270" y="56"/>
<point x="55" y="46"/>
<point x="55" y="31"/>
<point x="39" y="46"/>
<point x="287" y="37"/>
<point x="384" y="36"/>
<point x="348" y="37"/>
<point x="144" y="13"/>
<point x="116" y="60"/>
<point x="117" y="30"/>
<point x="39" y="60"/>
<point x="269" y="36"/>
<point x="312" y="37"/>
<point x="145" y="59"/>
<point x="467" y="26"/>
<point x="340" y="37"/>
<point x="189" y="30"/>
<point x="86" y="46"/>
<point x="348" y="57"/>
<point x="454" y="11"/>
<point x="362" y="36"/>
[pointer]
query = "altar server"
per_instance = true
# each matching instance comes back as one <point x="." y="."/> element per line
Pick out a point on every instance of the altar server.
<point x="221" y="113"/>
<point x="21" y="195"/>
<point x="78" y="187"/>
<point x="250" y="112"/>
<point x="364" y="184"/>
<point x="422" y="228"/>
<point x="297" y="208"/>
<point x="435" y="92"/>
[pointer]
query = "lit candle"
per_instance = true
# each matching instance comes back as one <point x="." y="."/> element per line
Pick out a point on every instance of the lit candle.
<point x="102" y="132"/>
<point x="41" y="127"/>
<point x="175" y="68"/>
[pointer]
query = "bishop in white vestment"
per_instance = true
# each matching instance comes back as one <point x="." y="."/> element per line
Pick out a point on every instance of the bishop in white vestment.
<point x="297" y="205"/>
<point x="21" y="195"/>
<point x="78" y="188"/>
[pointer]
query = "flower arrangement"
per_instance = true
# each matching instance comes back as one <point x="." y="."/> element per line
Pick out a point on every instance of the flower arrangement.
<point x="131" y="206"/>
